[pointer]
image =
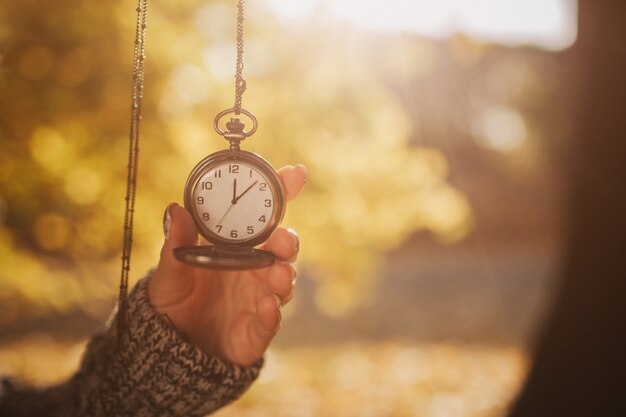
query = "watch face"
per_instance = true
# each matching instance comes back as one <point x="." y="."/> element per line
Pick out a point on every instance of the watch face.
<point x="235" y="201"/>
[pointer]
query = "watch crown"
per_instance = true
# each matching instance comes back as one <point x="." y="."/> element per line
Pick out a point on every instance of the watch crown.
<point x="235" y="125"/>
<point x="235" y="133"/>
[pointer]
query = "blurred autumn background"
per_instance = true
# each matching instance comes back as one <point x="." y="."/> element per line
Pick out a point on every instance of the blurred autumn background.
<point x="433" y="134"/>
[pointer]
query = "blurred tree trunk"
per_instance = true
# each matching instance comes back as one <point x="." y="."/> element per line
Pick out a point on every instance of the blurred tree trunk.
<point x="580" y="365"/>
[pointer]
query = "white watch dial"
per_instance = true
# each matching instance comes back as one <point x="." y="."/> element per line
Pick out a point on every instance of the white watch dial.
<point x="234" y="200"/>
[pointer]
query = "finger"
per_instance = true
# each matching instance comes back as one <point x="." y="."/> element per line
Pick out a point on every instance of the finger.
<point x="293" y="179"/>
<point x="179" y="230"/>
<point x="284" y="243"/>
<point x="280" y="281"/>
<point x="265" y="323"/>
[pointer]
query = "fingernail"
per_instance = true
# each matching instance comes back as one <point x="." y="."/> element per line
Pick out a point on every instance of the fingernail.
<point x="277" y="299"/>
<point x="295" y="243"/>
<point x="294" y="274"/>
<point x="306" y="172"/>
<point x="167" y="221"/>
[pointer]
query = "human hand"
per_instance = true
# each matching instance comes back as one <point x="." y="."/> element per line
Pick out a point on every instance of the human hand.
<point x="230" y="314"/>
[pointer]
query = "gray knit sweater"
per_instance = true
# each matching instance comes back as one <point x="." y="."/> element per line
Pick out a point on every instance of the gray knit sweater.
<point x="156" y="373"/>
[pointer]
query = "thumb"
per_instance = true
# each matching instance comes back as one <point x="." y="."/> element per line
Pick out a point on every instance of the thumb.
<point x="172" y="276"/>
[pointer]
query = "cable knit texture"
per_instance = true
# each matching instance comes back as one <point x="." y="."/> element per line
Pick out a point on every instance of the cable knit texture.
<point x="155" y="373"/>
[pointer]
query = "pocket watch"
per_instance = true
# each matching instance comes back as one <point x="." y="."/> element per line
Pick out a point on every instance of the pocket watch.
<point x="235" y="197"/>
<point x="236" y="200"/>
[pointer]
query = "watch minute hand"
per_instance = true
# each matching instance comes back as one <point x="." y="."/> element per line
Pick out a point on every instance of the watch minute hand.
<point x="245" y="191"/>
<point x="224" y="216"/>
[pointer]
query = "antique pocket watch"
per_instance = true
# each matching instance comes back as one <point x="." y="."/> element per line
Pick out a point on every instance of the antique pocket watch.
<point x="235" y="197"/>
<point x="236" y="200"/>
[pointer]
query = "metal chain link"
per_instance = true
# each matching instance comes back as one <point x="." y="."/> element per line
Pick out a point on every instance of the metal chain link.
<point x="240" y="82"/>
<point x="133" y="156"/>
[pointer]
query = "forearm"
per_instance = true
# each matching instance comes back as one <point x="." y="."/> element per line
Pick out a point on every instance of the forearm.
<point x="155" y="373"/>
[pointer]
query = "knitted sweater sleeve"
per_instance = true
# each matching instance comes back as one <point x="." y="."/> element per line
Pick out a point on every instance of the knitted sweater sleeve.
<point x="156" y="373"/>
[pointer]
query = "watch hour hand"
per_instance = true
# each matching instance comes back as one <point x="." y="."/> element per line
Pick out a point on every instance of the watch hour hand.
<point x="234" y="200"/>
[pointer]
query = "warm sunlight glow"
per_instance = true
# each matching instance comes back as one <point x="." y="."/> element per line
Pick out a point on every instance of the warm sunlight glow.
<point x="547" y="23"/>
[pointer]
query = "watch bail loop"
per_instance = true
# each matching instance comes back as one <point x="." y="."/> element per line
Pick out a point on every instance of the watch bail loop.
<point x="235" y="132"/>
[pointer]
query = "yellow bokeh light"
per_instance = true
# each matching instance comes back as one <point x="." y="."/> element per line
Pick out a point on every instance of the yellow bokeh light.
<point x="336" y="299"/>
<point x="83" y="184"/>
<point x="52" y="231"/>
<point x="215" y="21"/>
<point x="500" y="127"/>
<point x="190" y="84"/>
<point x="447" y="213"/>
<point x="218" y="58"/>
<point x="50" y="149"/>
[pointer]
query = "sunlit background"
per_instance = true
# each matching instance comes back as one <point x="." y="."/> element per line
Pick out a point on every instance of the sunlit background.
<point x="430" y="225"/>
